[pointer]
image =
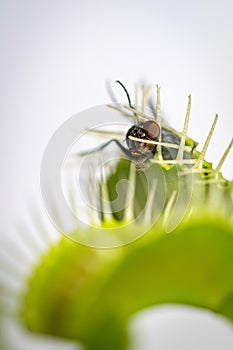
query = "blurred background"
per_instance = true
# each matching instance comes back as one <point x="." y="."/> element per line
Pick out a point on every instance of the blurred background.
<point x="56" y="57"/>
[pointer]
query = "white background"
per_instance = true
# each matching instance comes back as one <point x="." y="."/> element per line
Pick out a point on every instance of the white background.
<point x="55" y="59"/>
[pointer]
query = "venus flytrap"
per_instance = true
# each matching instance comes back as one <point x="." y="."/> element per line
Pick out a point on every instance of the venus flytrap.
<point x="89" y="295"/>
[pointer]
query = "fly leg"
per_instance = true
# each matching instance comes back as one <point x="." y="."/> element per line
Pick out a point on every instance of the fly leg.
<point x="101" y="147"/>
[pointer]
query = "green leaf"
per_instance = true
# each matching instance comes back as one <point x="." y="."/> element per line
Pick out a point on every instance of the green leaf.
<point x="89" y="295"/>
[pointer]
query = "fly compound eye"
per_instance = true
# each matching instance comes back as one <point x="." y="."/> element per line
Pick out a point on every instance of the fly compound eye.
<point x="152" y="129"/>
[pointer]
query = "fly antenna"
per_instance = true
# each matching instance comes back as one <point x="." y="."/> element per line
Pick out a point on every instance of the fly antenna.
<point x="127" y="94"/>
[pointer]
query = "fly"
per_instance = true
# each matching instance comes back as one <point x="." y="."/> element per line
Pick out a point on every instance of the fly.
<point x="142" y="139"/>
